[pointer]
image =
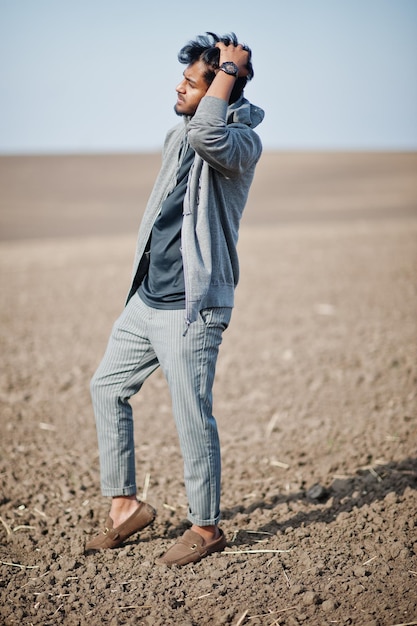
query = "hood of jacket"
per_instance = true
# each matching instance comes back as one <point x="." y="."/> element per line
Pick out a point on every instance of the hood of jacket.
<point x="244" y="112"/>
<point x="240" y="112"/>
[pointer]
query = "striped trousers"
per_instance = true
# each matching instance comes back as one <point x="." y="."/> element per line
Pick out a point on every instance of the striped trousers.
<point x="143" y="339"/>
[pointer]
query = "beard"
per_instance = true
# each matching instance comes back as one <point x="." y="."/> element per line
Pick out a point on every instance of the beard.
<point x="179" y="113"/>
<point x="184" y="112"/>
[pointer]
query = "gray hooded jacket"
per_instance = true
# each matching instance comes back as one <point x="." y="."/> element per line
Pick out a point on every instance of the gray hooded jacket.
<point x="226" y="153"/>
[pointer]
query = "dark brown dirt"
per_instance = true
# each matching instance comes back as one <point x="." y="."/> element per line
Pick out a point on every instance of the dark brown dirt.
<point x="315" y="397"/>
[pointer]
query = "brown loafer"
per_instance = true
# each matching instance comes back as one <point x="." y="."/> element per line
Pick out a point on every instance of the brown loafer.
<point x="191" y="547"/>
<point x="113" y="537"/>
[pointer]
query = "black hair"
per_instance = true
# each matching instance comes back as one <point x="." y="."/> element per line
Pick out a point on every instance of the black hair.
<point x="203" y="48"/>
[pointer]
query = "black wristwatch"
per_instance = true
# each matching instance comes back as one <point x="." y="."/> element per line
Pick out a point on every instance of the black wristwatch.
<point x="229" y="68"/>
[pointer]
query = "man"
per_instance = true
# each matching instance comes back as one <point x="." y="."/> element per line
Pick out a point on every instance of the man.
<point x="185" y="273"/>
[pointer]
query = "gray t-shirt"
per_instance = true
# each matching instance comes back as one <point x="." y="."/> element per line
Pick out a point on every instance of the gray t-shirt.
<point x="163" y="286"/>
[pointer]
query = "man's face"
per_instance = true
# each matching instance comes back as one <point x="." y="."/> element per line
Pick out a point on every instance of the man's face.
<point x="191" y="89"/>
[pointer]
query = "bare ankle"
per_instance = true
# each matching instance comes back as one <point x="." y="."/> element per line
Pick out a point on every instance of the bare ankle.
<point x="207" y="532"/>
<point x="122" y="507"/>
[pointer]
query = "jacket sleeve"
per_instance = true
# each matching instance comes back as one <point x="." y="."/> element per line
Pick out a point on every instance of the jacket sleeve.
<point x="229" y="148"/>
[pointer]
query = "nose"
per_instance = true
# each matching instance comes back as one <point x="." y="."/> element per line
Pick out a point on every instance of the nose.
<point x="180" y="88"/>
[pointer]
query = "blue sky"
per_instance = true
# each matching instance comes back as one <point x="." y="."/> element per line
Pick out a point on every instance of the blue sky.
<point x="100" y="75"/>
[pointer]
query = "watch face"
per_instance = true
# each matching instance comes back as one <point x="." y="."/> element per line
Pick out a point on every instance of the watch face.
<point x="230" y="68"/>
